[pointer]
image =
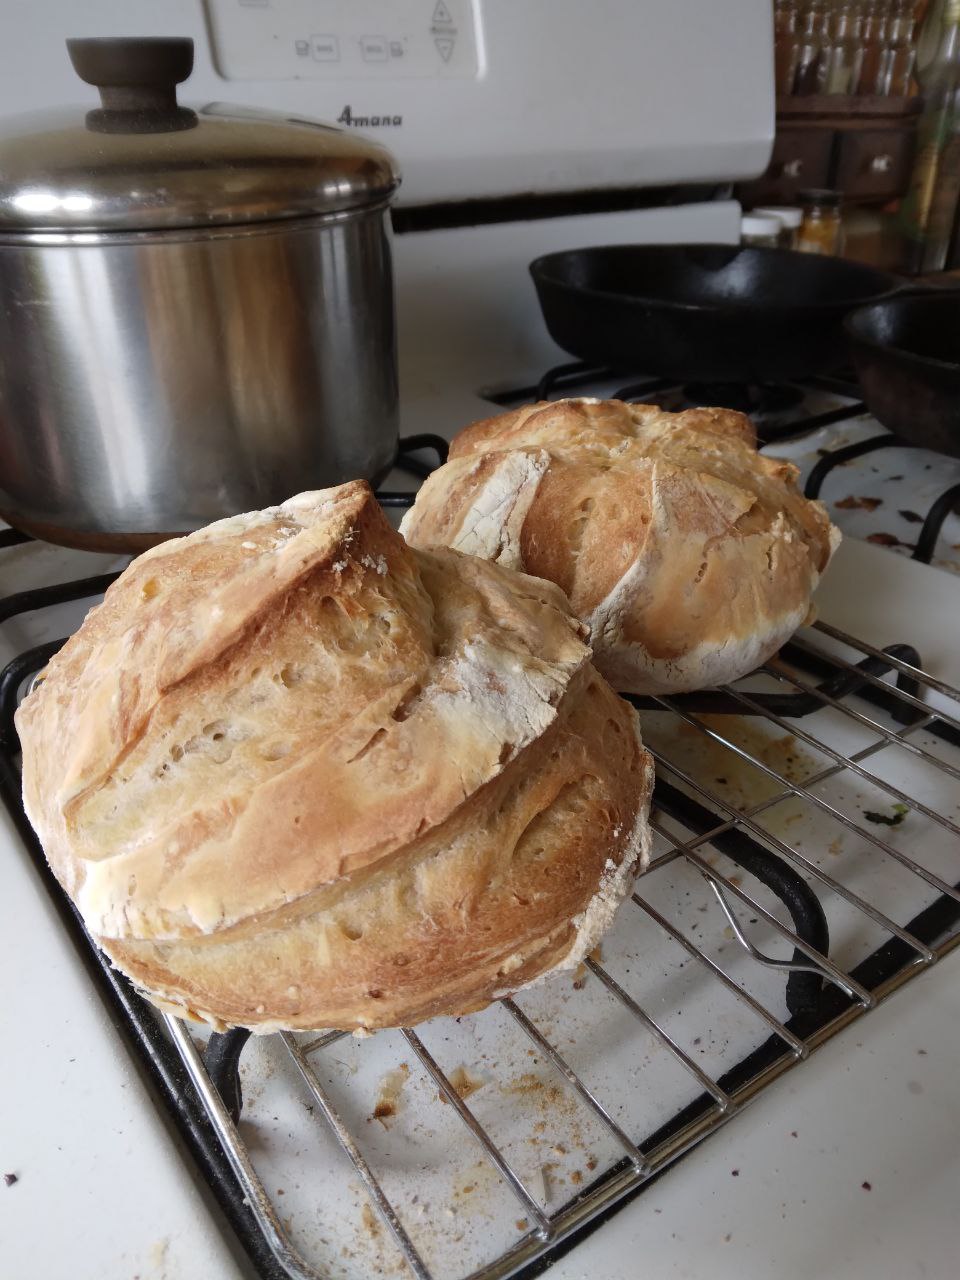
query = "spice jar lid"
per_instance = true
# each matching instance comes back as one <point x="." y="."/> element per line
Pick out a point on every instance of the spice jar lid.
<point x="141" y="161"/>
<point x="760" y="224"/>
<point x="787" y="215"/>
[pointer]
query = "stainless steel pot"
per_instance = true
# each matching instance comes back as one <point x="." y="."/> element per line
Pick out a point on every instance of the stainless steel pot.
<point x="196" y="307"/>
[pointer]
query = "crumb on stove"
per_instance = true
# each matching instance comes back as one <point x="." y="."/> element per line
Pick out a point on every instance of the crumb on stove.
<point x="734" y="1173"/>
<point x="852" y="503"/>
<point x="793" y="1133"/>
<point x="867" y="1186"/>
<point x="369" y="1219"/>
<point x="464" y="1082"/>
<point x="388" y="1102"/>
<point x="9" y="1179"/>
<point x="521" y="1224"/>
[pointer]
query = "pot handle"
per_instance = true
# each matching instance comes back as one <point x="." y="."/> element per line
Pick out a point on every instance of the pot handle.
<point x="137" y="78"/>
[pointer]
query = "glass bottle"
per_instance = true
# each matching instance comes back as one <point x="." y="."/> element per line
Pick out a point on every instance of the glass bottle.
<point x="873" y="40"/>
<point x="929" y="206"/>
<point x="928" y="39"/>
<point x="786" y="45"/>
<point x="812" y="37"/>
<point x="840" y="59"/>
<point x="900" y="54"/>
<point x="822" y="229"/>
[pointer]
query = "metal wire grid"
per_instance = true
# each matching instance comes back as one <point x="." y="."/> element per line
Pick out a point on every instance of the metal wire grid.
<point x="854" y="990"/>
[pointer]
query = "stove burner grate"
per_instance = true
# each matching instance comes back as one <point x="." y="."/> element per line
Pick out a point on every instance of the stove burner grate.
<point x="933" y="521"/>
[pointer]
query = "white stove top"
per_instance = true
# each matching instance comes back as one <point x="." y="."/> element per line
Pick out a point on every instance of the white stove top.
<point x="79" y="1128"/>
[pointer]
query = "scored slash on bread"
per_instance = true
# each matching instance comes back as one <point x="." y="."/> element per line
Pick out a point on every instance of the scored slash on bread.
<point x="690" y="556"/>
<point x="317" y="778"/>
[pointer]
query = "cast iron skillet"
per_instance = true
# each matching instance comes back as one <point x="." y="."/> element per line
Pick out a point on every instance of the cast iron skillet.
<point x="705" y="312"/>
<point x="907" y="355"/>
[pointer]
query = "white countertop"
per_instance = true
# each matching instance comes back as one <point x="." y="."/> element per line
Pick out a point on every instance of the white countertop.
<point x="104" y="1194"/>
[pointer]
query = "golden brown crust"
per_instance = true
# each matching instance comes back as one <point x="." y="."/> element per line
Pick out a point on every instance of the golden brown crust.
<point x="691" y="556"/>
<point x="321" y="779"/>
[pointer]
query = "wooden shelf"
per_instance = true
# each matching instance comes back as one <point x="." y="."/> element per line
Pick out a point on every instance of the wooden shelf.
<point x="836" y="104"/>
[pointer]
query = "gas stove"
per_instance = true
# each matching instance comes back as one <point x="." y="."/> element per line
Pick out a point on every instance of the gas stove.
<point x="777" y="912"/>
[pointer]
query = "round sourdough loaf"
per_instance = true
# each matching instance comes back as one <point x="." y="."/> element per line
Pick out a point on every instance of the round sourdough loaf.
<point x="690" y="556"/>
<point x="296" y="774"/>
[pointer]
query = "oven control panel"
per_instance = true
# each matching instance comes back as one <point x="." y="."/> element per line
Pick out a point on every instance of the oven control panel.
<point x="344" y="39"/>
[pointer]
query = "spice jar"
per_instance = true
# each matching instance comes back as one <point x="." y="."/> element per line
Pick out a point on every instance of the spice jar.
<point x="821" y="230"/>
<point x="789" y="219"/>
<point x="762" y="231"/>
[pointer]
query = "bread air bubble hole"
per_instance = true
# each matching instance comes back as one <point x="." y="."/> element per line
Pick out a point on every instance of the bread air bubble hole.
<point x="701" y="571"/>
<point x="176" y="752"/>
<point x="276" y="751"/>
<point x="368" y="746"/>
<point x="290" y="675"/>
<point x="351" y="931"/>
<point x="150" y="589"/>
<point x="586" y="505"/>
<point x="374" y="993"/>
<point x="406" y="704"/>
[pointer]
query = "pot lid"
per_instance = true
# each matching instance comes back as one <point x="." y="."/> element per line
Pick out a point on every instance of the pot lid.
<point x="141" y="161"/>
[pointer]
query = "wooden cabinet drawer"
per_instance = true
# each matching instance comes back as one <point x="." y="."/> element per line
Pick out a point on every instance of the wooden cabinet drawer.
<point x="874" y="164"/>
<point x="801" y="158"/>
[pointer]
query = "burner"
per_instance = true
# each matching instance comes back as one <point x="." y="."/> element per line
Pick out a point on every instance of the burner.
<point x="754" y="399"/>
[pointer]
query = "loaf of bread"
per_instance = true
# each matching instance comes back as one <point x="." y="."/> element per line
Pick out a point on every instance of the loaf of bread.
<point x="295" y="774"/>
<point x="690" y="556"/>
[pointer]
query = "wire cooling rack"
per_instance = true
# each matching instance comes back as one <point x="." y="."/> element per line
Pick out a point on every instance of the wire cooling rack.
<point x="806" y="865"/>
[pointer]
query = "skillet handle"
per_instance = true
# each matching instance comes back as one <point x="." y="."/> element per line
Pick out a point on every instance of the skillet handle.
<point x="925" y="289"/>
